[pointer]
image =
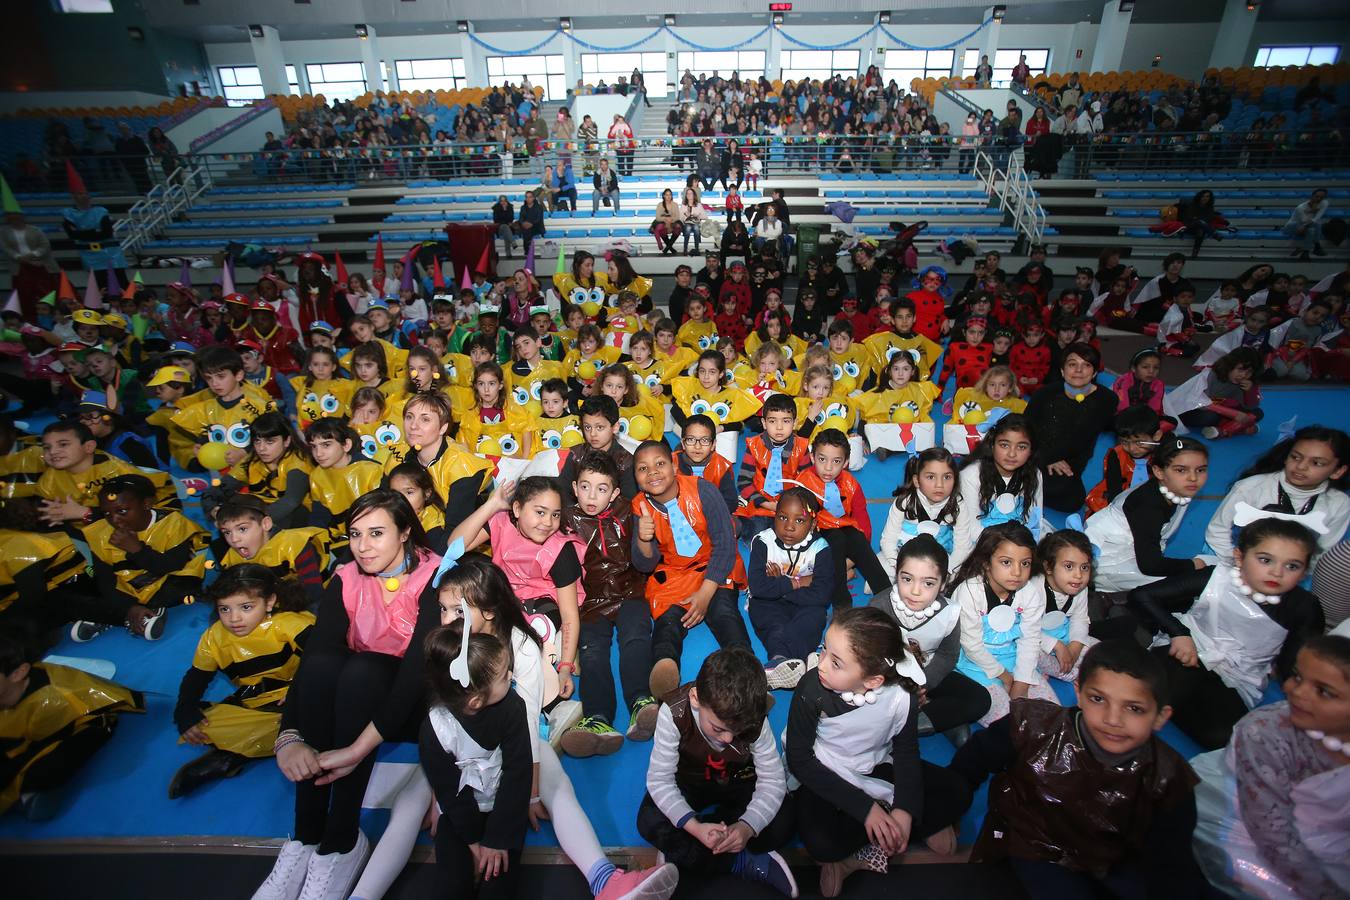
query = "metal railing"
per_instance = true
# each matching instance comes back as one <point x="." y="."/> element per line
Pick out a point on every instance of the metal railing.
<point x="1011" y="190"/>
<point x="148" y="216"/>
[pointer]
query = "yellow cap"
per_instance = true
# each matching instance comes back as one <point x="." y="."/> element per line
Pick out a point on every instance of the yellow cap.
<point x="167" y="374"/>
<point x="115" y="319"/>
<point x="87" y="317"/>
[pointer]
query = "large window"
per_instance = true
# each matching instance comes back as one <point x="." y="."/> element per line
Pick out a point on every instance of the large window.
<point x="1038" y="60"/>
<point x="430" y="74"/>
<point x="337" y="81"/>
<point x="545" y="71"/>
<point x="1297" y="56"/>
<point x="242" y="85"/>
<point x="905" y="65"/>
<point x="610" y="67"/>
<point x="749" y="63"/>
<point x="819" y="65"/>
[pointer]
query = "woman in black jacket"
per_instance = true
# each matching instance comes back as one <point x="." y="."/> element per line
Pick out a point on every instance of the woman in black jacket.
<point x="531" y="221"/>
<point x="1067" y="419"/>
<point x="735" y="241"/>
<point x="503" y="218"/>
<point x="733" y="164"/>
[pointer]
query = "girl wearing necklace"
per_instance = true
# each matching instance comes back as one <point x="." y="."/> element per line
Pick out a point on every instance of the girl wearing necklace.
<point x="1220" y="629"/>
<point x="1271" y="806"/>
<point x="1132" y="533"/>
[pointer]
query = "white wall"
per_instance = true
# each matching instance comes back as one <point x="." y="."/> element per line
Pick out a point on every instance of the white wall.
<point x="247" y="138"/>
<point x="10" y="102"/>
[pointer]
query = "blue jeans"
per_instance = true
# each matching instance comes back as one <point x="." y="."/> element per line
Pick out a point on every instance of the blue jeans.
<point x="633" y="621"/>
<point x="723" y="619"/>
<point x="1311" y="236"/>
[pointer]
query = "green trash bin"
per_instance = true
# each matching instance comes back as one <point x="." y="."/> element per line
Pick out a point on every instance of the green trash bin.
<point x="808" y="244"/>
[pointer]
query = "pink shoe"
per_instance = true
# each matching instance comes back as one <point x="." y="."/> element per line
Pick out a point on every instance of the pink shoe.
<point x="656" y="883"/>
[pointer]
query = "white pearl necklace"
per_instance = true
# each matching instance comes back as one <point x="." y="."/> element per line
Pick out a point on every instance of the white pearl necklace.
<point x="1247" y="590"/>
<point x="1334" y="744"/>
<point x="1171" y="497"/>
<point x="859" y="698"/>
<point x="911" y="618"/>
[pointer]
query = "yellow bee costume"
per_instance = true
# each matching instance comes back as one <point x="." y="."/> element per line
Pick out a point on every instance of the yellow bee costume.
<point x="508" y="435"/>
<point x="377" y="437"/>
<point x="555" y="434"/>
<point x="697" y="336"/>
<point x="657" y="372"/>
<point x="649" y="409"/>
<point x="432" y="519"/>
<point x="334" y="491"/>
<point x="794" y="348"/>
<point x="266" y="484"/>
<point x="283" y="551"/>
<point x="34" y="564"/>
<point x="458" y="369"/>
<point x="20" y="470"/>
<point x="911" y="403"/>
<point x="449" y="466"/>
<point x="59" y="705"/>
<point x="851" y="368"/>
<point x="180" y="445"/>
<point x="327" y="398"/>
<point x="173" y="545"/>
<point x="968" y="400"/>
<point x="726" y="406"/>
<point x="604" y="356"/>
<point x="680" y="359"/>
<point x="885" y="345"/>
<point x="57" y="484"/>
<point x="261" y="666"/>
<point x="210" y="421"/>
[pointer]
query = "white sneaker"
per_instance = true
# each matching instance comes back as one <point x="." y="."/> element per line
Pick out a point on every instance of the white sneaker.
<point x="785" y="675"/>
<point x="332" y="876"/>
<point x="812" y="660"/>
<point x="563" y="715"/>
<point x="288" y="873"/>
<point x="1209" y="432"/>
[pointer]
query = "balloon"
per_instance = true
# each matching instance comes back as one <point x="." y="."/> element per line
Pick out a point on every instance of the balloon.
<point x="571" y="438"/>
<point x="639" y="428"/>
<point x="836" y="422"/>
<point x="975" y="416"/>
<point x="586" y="371"/>
<point x="212" y="456"/>
<point x="489" y="447"/>
<point x="902" y="415"/>
<point x="591" y="308"/>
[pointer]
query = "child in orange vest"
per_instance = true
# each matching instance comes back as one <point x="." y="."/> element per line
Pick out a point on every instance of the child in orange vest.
<point x="685" y="539"/>
<point x="763" y="477"/>
<point x="1138" y="431"/>
<point x="843" y="518"/>
<point x="697" y="457"/>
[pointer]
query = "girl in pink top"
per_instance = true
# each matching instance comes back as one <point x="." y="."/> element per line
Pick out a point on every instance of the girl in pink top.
<point x="523" y="523"/>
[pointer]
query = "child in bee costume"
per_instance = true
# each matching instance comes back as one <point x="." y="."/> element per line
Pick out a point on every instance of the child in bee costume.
<point x="42" y="574"/>
<point x="256" y="641"/>
<point x="53" y="719"/>
<point x="145" y="560"/>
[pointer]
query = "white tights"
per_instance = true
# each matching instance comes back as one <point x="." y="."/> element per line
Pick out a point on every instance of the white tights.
<point x="574" y="832"/>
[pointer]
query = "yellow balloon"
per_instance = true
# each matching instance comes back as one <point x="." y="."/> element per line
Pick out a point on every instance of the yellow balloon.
<point x="489" y="447"/>
<point x="591" y="308"/>
<point x="571" y="438"/>
<point x="836" y="422"/>
<point x="975" y="416"/>
<point x="639" y="428"/>
<point x="903" y="415"/>
<point x="586" y="371"/>
<point x="212" y="456"/>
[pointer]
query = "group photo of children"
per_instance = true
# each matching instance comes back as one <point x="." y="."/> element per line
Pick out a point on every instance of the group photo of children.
<point x="797" y="574"/>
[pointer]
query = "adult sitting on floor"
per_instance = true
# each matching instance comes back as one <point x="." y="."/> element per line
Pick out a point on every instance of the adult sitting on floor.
<point x="1066" y="419"/>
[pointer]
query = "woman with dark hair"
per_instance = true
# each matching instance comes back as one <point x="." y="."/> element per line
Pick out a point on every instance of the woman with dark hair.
<point x="360" y="684"/>
<point x="1201" y="219"/>
<point x="1067" y="419"/>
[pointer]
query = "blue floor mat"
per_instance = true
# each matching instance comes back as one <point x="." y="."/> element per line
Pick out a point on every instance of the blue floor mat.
<point x="123" y="791"/>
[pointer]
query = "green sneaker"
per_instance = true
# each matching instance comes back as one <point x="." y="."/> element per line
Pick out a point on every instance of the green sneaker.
<point x="642" y="719"/>
<point x="592" y="736"/>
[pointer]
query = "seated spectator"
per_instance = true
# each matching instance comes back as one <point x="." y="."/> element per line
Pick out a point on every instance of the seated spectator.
<point x="564" y="188"/>
<point x="1304" y="227"/>
<point x="531" y="221"/>
<point x="606" y="183"/>
<point x="769" y="229"/>
<point x="708" y="165"/>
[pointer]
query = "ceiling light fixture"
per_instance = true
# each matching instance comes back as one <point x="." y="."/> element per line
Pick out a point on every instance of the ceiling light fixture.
<point x="999" y="13"/>
<point x="565" y="23"/>
<point x="255" y="31"/>
<point x="670" y="20"/>
<point x="778" y="18"/>
<point x="362" y="32"/>
<point x="462" y="25"/>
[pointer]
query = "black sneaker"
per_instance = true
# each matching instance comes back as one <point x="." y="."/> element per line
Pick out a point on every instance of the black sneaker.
<point x="770" y="869"/>
<point x="82" y="632"/>
<point x="153" y="628"/>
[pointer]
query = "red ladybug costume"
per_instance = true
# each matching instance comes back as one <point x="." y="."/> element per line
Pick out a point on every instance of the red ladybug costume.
<point x="276" y="344"/>
<point x="966" y="361"/>
<point x="930" y="312"/>
<point x="1031" y="365"/>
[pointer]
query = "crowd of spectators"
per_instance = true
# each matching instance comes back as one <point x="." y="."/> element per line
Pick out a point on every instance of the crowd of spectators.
<point x="119" y="160"/>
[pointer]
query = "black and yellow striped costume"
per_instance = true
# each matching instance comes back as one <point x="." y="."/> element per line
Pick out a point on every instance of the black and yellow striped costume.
<point x="173" y="548"/>
<point x="20" y="470"/>
<point x="59" y="704"/>
<point x="302" y="553"/>
<point x="333" y="491"/>
<point x="266" y="484"/>
<point x="261" y="666"/>
<point x="33" y="566"/>
<point x="82" y="487"/>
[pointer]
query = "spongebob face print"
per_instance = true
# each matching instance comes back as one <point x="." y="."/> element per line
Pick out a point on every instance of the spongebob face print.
<point x="237" y="435"/>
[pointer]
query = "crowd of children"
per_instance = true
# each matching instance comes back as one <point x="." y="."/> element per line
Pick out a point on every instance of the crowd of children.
<point x="478" y="494"/>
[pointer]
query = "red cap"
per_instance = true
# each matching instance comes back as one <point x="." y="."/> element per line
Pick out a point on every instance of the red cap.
<point x="237" y="298"/>
<point x="261" y="305"/>
<point x="246" y="344"/>
<point x="180" y="286"/>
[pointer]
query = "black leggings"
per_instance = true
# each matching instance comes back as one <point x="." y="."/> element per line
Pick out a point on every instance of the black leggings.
<point x="849" y="543"/>
<point x="1203" y="706"/>
<point x="957" y="700"/>
<point x="58" y="765"/>
<point x="1064" y="493"/>
<point x="337" y="696"/>
<point x="724" y="805"/>
<point x="830" y="834"/>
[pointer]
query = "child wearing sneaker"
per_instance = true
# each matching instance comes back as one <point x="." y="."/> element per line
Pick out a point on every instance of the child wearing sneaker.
<point x="791" y="582"/>
<point x="259" y="617"/>
<point x="145" y="561"/>
<point x="603" y="520"/>
<point x="472" y="586"/>
<point x="715" y="783"/>
<point x="53" y="720"/>
<point x="852" y="744"/>
<point x="685" y="538"/>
